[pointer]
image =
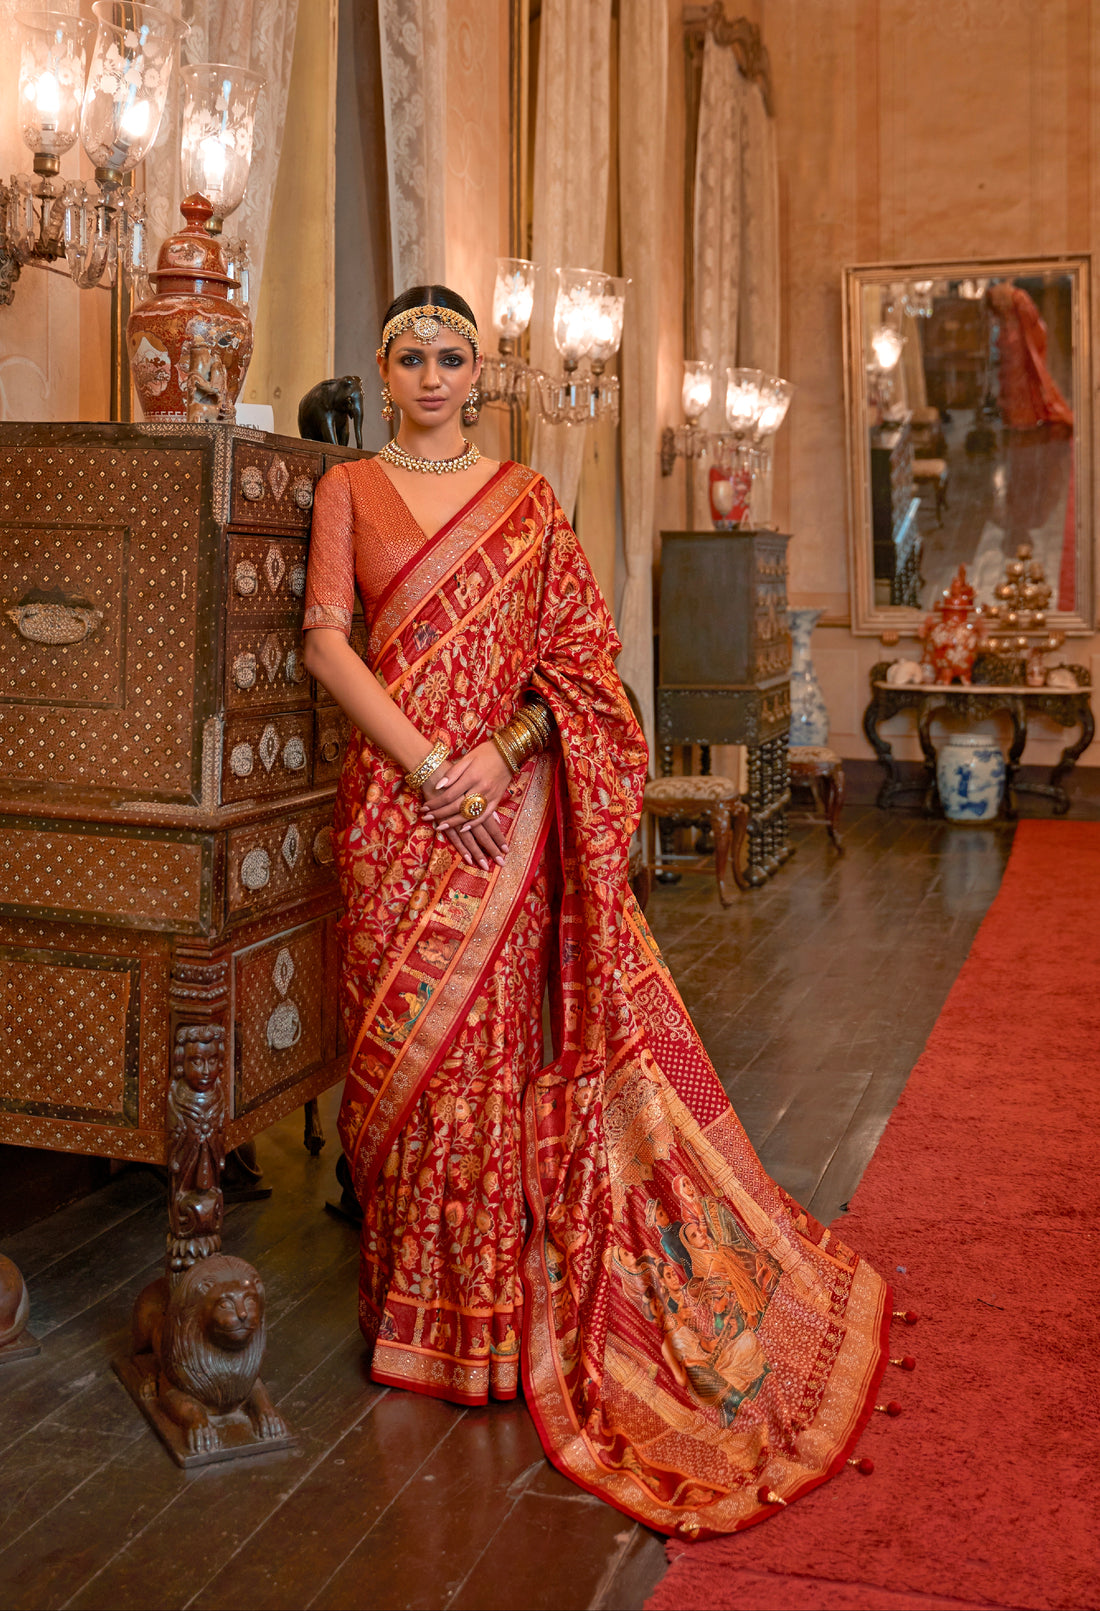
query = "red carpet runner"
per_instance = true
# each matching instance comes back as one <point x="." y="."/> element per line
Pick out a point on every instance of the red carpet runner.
<point x="984" y="1189"/>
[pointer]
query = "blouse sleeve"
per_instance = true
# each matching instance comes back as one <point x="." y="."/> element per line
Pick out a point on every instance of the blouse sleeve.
<point x="330" y="575"/>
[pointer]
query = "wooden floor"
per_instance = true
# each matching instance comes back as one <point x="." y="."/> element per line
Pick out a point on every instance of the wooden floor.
<point x="814" y="996"/>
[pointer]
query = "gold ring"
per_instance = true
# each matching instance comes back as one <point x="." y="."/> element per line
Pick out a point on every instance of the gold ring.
<point x="473" y="806"/>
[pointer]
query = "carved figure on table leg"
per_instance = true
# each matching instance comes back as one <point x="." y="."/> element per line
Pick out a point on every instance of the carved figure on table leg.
<point x="196" y="1146"/>
<point x="16" y="1341"/>
<point x="199" y="1346"/>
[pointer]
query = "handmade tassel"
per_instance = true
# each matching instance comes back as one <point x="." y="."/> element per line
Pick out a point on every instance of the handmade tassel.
<point x="893" y="1408"/>
<point x="866" y="1465"/>
<point x="767" y="1496"/>
<point x="907" y="1362"/>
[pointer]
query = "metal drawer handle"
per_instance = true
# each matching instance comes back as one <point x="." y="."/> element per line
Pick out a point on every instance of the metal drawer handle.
<point x="252" y="482"/>
<point x="301" y="490"/>
<point x="330" y="747"/>
<point x="294" y="754"/>
<point x="55" y="624"/>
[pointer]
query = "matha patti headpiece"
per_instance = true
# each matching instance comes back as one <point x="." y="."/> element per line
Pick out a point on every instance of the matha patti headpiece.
<point x="425" y="324"/>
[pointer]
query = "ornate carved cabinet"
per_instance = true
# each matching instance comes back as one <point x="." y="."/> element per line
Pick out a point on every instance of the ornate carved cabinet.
<point x="167" y="771"/>
<point x="725" y="665"/>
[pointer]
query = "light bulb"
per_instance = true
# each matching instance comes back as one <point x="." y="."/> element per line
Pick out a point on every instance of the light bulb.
<point x="212" y="156"/>
<point x="135" y="119"/>
<point x="48" y="95"/>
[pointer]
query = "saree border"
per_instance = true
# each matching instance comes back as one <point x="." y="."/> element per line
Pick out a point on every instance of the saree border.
<point x="431" y="567"/>
<point x="423" y="1049"/>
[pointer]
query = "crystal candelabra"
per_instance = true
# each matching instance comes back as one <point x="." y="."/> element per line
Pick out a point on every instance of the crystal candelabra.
<point x="588" y="330"/>
<point x="116" y="105"/>
<point x="756" y="406"/>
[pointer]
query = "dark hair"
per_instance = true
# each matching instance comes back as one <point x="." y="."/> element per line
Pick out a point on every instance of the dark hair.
<point x="422" y="296"/>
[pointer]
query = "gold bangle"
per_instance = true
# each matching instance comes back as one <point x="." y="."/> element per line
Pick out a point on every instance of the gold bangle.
<point x="538" y="712"/>
<point x="431" y="763"/>
<point x="510" y="760"/>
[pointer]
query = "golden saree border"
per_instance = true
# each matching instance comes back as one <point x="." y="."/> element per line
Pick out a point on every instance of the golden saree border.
<point x="843" y="1306"/>
<point x="375" y="1110"/>
<point x="444" y="554"/>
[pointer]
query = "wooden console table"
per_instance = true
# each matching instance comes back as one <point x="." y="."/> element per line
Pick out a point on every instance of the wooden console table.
<point x="1068" y="707"/>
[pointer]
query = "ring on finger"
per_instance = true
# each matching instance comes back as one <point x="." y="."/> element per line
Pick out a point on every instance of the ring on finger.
<point x="473" y="806"/>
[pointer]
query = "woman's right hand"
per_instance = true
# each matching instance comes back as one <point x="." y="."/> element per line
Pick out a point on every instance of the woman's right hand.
<point x="482" y="840"/>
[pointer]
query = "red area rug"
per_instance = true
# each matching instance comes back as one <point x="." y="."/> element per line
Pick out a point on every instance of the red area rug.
<point x="980" y="1204"/>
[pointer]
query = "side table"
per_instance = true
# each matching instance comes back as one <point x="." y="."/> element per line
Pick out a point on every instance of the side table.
<point x="1068" y="707"/>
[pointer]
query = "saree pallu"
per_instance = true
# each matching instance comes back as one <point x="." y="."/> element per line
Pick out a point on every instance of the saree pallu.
<point x="687" y="1335"/>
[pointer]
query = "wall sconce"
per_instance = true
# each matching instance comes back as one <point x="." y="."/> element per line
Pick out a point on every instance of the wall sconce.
<point x="122" y="103"/>
<point x="886" y="349"/>
<point x="588" y="324"/>
<point x="688" y="441"/>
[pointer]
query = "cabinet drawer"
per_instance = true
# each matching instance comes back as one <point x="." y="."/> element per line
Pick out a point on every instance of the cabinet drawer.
<point x="283" y="1023"/>
<point x="266" y="755"/>
<point x="287" y="858"/>
<point x="272" y="488"/>
<point x="264" y="667"/>
<point x="331" y="730"/>
<point x="267" y="578"/>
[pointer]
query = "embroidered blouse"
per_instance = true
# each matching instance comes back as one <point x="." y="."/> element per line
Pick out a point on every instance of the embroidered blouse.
<point x="363" y="533"/>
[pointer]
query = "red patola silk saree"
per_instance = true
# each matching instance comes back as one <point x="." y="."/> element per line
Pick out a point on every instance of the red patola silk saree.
<point x="596" y="1225"/>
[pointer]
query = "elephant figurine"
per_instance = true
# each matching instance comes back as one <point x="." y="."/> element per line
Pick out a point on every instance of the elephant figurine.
<point x="327" y="410"/>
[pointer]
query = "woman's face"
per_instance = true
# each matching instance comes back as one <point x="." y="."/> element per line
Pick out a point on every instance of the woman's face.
<point x="429" y="384"/>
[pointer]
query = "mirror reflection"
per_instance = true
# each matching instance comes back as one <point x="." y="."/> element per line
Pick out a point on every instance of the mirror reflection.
<point x="964" y="432"/>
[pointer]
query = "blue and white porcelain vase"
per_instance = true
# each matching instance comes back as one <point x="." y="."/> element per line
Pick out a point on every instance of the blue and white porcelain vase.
<point x="970" y="775"/>
<point x="809" y="713"/>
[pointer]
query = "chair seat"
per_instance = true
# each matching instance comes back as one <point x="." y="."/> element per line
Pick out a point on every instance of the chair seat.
<point x="690" y="790"/>
<point x="929" y="469"/>
<point x="813" y="759"/>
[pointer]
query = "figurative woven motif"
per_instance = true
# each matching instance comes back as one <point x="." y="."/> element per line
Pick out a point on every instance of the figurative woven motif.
<point x="687" y="1334"/>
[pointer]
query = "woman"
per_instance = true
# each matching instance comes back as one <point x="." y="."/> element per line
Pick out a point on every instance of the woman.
<point x="510" y="1197"/>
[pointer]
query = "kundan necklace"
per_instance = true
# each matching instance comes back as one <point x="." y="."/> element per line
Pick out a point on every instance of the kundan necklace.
<point x="394" y="453"/>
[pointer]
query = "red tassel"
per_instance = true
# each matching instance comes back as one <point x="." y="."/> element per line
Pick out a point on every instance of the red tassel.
<point x="906" y="1363"/>
<point x="910" y="1316"/>
<point x="893" y="1408"/>
<point x="866" y="1465"/>
<point x="767" y="1497"/>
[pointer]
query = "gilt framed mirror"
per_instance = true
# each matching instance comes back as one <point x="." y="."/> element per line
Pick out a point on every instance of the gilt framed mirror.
<point x="969" y="425"/>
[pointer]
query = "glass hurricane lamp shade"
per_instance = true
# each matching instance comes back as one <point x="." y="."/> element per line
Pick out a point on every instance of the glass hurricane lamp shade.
<point x="695" y="394"/>
<point x="513" y="296"/>
<point x="127" y="84"/>
<point x="608" y="307"/>
<point x="219" y="116"/>
<point x="52" y="52"/>
<point x="575" y="314"/>
<point x="745" y="400"/>
<point x="776" y="399"/>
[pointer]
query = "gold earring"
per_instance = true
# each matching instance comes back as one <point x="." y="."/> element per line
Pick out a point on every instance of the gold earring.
<point x="387" y="402"/>
<point x="471" y="408"/>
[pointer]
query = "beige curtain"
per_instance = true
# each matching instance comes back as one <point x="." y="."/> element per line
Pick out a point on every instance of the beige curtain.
<point x="717" y="236"/>
<point x="248" y="33"/>
<point x="413" y="37"/>
<point x="643" y="74"/>
<point x="572" y="155"/>
<point x="758" y="314"/>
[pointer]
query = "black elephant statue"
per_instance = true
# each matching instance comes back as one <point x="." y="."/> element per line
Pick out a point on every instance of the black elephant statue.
<point x="327" y="410"/>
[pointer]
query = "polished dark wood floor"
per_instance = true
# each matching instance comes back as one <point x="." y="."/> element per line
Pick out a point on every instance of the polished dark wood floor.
<point x="814" y="996"/>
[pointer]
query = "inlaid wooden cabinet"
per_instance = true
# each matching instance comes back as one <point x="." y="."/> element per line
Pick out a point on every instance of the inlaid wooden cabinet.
<point x="167" y="773"/>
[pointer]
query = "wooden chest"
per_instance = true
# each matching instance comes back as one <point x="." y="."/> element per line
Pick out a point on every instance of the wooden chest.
<point x="167" y="773"/>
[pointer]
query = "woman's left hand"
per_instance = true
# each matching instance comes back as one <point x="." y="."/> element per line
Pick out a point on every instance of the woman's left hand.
<point x="482" y="771"/>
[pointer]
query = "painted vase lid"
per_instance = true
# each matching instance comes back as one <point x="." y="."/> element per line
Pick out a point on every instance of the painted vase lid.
<point x="193" y="257"/>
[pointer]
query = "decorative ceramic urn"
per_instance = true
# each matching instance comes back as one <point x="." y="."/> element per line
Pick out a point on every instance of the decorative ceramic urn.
<point x="809" y="712"/>
<point x="952" y="638"/>
<point x="970" y="777"/>
<point x="190" y="312"/>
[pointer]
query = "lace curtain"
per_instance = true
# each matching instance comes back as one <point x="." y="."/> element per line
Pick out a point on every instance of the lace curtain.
<point x="413" y="35"/>
<point x="572" y="158"/>
<point x="249" y="33"/>
<point x="735" y="234"/>
<point x="643" y="83"/>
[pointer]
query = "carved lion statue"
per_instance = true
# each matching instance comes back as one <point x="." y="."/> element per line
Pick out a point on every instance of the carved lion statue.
<point x="206" y="1338"/>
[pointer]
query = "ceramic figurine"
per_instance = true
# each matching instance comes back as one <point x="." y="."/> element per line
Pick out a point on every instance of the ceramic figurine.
<point x="970" y="776"/>
<point x="1062" y="677"/>
<point x="191" y="308"/>
<point x="809" y="713"/>
<point x="902" y="673"/>
<point x="951" y="638"/>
